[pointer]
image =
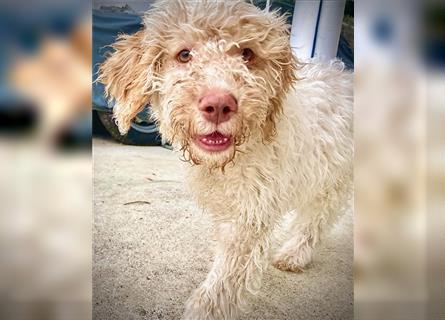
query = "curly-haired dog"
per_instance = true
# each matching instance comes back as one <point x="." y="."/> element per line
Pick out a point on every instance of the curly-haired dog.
<point x="263" y="133"/>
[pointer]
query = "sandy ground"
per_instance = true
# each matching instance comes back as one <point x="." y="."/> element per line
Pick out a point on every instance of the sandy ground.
<point x="151" y="247"/>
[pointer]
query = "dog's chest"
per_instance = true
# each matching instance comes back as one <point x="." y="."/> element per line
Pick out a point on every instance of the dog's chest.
<point x="216" y="191"/>
<point x="239" y="189"/>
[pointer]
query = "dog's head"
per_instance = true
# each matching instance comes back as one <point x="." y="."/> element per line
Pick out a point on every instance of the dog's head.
<point x="214" y="72"/>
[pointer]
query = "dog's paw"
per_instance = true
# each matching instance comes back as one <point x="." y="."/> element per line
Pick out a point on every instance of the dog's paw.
<point x="196" y="307"/>
<point x="287" y="265"/>
<point x="200" y="306"/>
<point x="297" y="262"/>
<point x="208" y="304"/>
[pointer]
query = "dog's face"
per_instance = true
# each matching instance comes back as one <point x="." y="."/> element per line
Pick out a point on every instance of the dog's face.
<point x="215" y="74"/>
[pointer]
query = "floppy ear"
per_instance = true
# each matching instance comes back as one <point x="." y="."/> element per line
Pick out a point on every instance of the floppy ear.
<point x="284" y="67"/>
<point x="128" y="75"/>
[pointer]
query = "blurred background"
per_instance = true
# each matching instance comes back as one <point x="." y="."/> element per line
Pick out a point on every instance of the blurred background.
<point x="45" y="159"/>
<point x="399" y="160"/>
<point x="46" y="101"/>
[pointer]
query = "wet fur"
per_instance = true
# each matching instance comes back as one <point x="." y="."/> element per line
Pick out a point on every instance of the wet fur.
<point x="293" y="134"/>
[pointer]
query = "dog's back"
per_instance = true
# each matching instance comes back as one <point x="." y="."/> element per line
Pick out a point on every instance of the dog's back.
<point x="317" y="127"/>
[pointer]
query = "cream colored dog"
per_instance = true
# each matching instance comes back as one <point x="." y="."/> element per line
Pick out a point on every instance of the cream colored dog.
<point x="263" y="133"/>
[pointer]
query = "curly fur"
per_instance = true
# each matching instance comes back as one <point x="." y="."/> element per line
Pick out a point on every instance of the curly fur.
<point x="292" y="147"/>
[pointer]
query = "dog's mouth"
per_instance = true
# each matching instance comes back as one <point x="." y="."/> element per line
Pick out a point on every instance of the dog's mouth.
<point x="214" y="142"/>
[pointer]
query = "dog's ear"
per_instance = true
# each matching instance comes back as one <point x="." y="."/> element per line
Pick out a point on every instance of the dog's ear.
<point x="128" y="75"/>
<point x="283" y="74"/>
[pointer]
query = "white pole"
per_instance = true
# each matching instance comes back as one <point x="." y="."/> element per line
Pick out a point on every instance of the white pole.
<point x="316" y="27"/>
<point x="304" y="24"/>
<point x="329" y="28"/>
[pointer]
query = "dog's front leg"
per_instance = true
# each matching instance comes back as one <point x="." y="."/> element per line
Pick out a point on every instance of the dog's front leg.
<point x="237" y="270"/>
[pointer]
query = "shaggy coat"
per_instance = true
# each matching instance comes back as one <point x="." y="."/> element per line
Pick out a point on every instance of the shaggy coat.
<point x="290" y="139"/>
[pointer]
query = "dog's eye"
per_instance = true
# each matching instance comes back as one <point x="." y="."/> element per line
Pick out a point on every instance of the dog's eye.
<point x="247" y="54"/>
<point x="184" y="56"/>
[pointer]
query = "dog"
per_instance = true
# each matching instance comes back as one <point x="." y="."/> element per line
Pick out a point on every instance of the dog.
<point x="262" y="133"/>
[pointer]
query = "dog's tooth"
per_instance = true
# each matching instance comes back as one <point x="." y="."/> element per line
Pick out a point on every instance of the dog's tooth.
<point x="222" y="140"/>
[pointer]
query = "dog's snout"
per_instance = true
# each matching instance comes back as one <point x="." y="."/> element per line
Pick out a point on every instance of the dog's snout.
<point x="218" y="106"/>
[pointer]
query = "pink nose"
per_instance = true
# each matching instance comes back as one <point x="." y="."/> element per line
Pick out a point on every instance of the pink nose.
<point x="217" y="106"/>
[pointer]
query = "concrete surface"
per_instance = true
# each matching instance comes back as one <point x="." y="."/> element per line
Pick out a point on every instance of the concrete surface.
<point x="151" y="247"/>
